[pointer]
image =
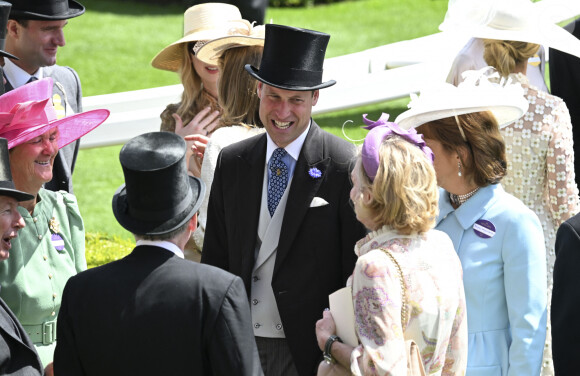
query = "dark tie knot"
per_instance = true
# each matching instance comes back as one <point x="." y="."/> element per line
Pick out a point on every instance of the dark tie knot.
<point x="32" y="79"/>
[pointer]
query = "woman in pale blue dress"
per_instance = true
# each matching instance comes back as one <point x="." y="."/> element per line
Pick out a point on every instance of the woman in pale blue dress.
<point x="497" y="238"/>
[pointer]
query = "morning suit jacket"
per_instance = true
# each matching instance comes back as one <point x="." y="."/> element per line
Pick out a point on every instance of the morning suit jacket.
<point x="566" y="299"/>
<point x="565" y="83"/>
<point x="17" y="354"/>
<point x="153" y="313"/>
<point x="67" y="85"/>
<point x="315" y="254"/>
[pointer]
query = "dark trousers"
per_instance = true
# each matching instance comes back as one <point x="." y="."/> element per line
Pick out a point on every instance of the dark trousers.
<point x="275" y="357"/>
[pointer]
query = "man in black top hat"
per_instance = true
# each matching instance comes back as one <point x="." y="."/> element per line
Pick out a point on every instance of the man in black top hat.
<point x="279" y="213"/>
<point x="35" y="32"/>
<point x="152" y="312"/>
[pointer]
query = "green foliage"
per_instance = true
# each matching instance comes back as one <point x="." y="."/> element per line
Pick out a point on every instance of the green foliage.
<point x="102" y="248"/>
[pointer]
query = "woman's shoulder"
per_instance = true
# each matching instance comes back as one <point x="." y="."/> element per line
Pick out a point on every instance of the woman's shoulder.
<point x="235" y="132"/>
<point x="508" y="209"/>
<point x="60" y="199"/>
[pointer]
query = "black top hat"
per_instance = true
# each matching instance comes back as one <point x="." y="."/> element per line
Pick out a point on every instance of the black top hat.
<point x="6" y="184"/>
<point x="292" y="59"/>
<point x="158" y="195"/>
<point x="4" y="12"/>
<point x="51" y="10"/>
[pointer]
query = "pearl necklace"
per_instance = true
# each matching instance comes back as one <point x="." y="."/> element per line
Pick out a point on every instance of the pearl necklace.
<point x="457" y="200"/>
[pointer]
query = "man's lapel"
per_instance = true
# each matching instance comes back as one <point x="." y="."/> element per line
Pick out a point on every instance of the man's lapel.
<point x="302" y="190"/>
<point x="249" y="182"/>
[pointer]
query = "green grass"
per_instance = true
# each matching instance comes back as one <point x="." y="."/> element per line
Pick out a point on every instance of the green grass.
<point x="112" y="44"/>
<point x="111" y="47"/>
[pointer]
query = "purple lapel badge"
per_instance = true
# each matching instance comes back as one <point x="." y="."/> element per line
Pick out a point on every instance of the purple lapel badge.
<point x="314" y="173"/>
<point x="57" y="242"/>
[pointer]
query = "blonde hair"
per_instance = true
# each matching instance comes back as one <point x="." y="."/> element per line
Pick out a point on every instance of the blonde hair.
<point x="237" y="90"/>
<point x="483" y="157"/>
<point x="505" y="55"/>
<point x="404" y="194"/>
<point x="194" y="98"/>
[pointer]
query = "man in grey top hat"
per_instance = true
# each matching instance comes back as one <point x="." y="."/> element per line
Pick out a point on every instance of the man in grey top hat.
<point x="34" y="34"/>
<point x="279" y="213"/>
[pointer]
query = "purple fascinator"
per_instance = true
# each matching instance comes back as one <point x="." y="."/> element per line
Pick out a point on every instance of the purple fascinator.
<point x="381" y="130"/>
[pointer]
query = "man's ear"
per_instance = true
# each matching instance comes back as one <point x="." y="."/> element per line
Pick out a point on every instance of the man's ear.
<point x="192" y="223"/>
<point x="315" y="97"/>
<point x="13" y="28"/>
<point x="259" y="90"/>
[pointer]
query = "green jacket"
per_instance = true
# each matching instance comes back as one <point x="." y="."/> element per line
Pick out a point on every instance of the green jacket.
<point x="49" y="250"/>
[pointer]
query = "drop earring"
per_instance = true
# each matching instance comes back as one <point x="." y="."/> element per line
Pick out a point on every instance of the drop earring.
<point x="458" y="168"/>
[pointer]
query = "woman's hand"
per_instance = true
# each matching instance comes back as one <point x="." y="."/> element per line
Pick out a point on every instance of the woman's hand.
<point x="203" y="123"/>
<point x="325" y="327"/>
<point x="196" y="145"/>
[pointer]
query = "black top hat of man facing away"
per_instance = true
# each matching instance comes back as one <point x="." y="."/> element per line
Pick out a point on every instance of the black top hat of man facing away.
<point x="292" y="59"/>
<point x="158" y="195"/>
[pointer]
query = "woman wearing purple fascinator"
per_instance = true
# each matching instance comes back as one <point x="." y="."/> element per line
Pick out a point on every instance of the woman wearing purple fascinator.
<point x="407" y="283"/>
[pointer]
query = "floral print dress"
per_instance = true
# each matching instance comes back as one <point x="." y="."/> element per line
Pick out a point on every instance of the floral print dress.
<point x="540" y="164"/>
<point x="434" y="282"/>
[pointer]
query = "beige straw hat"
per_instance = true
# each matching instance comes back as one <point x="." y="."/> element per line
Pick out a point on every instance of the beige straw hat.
<point x="244" y="36"/>
<point x="201" y="22"/>
<point x="515" y="20"/>
<point x="480" y="91"/>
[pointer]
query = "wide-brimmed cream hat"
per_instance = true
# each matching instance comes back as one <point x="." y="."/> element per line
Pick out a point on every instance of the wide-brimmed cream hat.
<point x="244" y="36"/>
<point x="480" y="91"/>
<point x="201" y="22"/>
<point x="515" y="20"/>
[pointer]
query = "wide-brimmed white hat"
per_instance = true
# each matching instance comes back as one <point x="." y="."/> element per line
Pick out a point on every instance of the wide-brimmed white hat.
<point x="515" y="20"/>
<point x="244" y="36"/>
<point x="480" y="91"/>
<point x="201" y="22"/>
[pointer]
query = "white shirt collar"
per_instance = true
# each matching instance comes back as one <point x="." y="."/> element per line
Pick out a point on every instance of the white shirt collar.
<point x="162" y="244"/>
<point x="17" y="76"/>
<point x="292" y="148"/>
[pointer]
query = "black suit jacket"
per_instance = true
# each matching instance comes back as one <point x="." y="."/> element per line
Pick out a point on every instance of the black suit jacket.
<point x="153" y="313"/>
<point x="566" y="299"/>
<point x="315" y="253"/>
<point x="17" y="353"/>
<point x="565" y="83"/>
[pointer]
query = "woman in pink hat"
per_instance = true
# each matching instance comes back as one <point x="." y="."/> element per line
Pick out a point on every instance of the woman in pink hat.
<point x="51" y="247"/>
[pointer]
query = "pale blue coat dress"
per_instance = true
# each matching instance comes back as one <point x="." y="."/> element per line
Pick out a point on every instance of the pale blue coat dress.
<point x="504" y="276"/>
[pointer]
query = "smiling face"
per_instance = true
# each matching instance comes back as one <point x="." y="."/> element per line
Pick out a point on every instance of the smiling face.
<point x="31" y="162"/>
<point x="10" y="222"/>
<point x="209" y="74"/>
<point x="35" y="43"/>
<point x="285" y="113"/>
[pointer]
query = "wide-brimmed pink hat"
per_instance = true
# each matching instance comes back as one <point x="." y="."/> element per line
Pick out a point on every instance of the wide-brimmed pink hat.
<point x="27" y="112"/>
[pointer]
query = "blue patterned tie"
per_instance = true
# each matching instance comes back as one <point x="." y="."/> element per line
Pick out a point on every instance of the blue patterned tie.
<point x="278" y="179"/>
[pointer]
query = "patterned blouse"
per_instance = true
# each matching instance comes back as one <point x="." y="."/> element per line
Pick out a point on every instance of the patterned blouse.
<point x="434" y="283"/>
<point x="540" y="163"/>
